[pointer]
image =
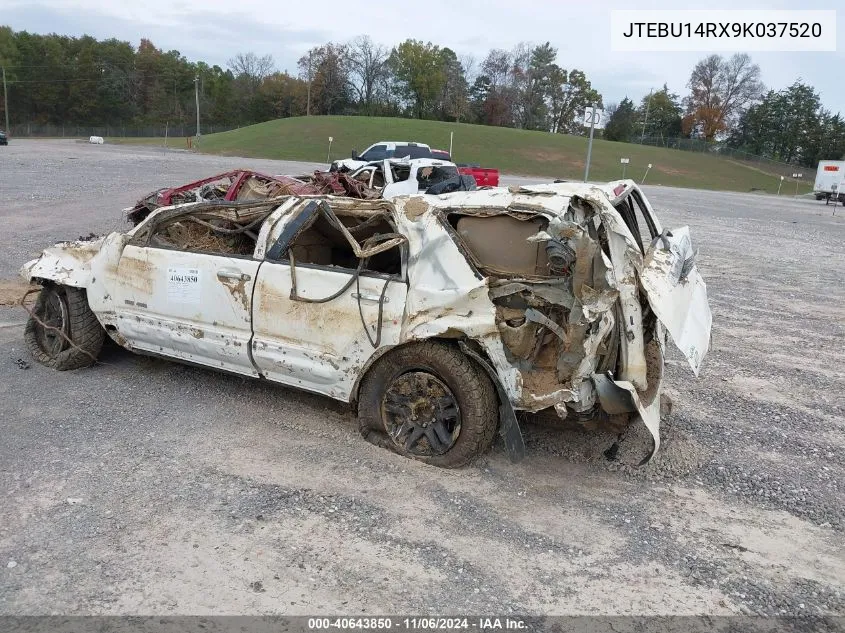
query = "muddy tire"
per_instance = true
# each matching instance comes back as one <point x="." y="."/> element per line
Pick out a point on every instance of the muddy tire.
<point x="430" y="402"/>
<point x="66" y="309"/>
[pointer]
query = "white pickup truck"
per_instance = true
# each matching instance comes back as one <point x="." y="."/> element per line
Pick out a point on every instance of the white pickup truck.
<point x="407" y="176"/>
<point x="383" y="150"/>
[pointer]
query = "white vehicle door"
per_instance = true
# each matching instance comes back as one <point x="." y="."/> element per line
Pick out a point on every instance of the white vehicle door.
<point x="184" y="291"/>
<point x="675" y="290"/>
<point x="400" y="179"/>
<point x="319" y="313"/>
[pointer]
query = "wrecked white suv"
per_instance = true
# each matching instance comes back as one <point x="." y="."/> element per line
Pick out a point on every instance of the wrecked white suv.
<point x="436" y="317"/>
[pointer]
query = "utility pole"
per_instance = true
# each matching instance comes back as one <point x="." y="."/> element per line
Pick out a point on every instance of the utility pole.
<point x="647" y="107"/>
<point x="5" y="101"/>
<point x="197" y="95"/>
<point x="308" y="101"/>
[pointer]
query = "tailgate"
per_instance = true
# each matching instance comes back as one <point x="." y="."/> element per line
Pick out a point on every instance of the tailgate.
<point x="484" y="177"/>
<point x="677" y="293"/>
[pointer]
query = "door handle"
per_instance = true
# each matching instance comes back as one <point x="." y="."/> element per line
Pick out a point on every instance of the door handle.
<point x="230" y="274"/>
<point x="375" y="298"/>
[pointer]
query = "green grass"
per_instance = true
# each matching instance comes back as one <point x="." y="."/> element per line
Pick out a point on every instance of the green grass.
<point x="511" y="151"/>
<point x="174" y="142"/>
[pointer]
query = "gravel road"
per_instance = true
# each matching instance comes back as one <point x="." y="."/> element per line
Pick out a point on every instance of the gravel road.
<point x="141" y="486"/>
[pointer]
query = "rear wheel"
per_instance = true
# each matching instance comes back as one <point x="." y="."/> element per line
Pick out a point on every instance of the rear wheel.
<point x="63" y="314"/>
<point x="430" y="402"/>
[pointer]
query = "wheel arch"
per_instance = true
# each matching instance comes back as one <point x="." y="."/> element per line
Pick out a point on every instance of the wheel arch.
<point x="55" y="269"/>
<point x="507" y="423"/>
<point x="451" y="338"/>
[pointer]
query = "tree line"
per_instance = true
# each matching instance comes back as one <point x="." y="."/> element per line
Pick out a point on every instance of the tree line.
<point x="59" y="79"/>
<point x="727" y="101"/>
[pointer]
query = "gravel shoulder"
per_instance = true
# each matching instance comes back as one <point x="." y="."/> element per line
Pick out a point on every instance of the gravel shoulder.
<point x="141" y="486"/>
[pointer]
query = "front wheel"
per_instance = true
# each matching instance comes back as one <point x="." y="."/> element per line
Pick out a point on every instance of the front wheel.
<point x="430" y="402"/>
<point x="62" y="310"/>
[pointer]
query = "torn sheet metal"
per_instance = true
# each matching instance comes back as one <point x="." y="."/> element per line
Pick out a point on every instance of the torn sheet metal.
<point x="238" y="184"/>
<point x="67" y="263"/>
<point x="342" y="184"/>
<point x="677" y="294"/>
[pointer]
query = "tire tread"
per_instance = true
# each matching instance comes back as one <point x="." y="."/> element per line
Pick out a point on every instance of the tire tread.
<point x="84" y="330"/>
<point x="470" y="384"/>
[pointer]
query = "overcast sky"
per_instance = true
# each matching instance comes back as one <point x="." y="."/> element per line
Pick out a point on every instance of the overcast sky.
<point x="214" y="30"/>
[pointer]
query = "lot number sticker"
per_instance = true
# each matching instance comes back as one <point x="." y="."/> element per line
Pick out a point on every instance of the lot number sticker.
<point x="183" y="284"/>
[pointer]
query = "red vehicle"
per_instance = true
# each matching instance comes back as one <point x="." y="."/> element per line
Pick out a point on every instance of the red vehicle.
<point x="239" y="184"/>
<point x="484" y="176"/>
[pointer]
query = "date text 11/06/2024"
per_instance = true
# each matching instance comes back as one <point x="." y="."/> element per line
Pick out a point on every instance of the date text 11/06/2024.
<point x="417" y="624"/>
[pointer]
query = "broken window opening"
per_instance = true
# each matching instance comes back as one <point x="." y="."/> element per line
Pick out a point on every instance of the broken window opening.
<point x="222" y="231"/>
<point x="400" y="173"/>
<point x="430" y="176"/>
<point x="498" y="243"/>
<point x="324" y="244"/>
<point x="637" y="220"/>
<point x="213" y="190"/>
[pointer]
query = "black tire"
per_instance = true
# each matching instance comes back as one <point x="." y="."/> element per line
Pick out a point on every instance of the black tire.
<point x="65" y="308"/>
<point x="432" y="372"/>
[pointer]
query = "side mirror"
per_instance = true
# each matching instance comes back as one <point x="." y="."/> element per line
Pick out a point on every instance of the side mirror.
<point x="354" y="154"/>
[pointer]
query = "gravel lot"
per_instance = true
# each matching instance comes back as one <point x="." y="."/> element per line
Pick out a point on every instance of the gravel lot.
<point x="146" y="487"/>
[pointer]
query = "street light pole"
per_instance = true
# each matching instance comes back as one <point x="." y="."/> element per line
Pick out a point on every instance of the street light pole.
<point x="308" y="99"/>
<point x="645" y="120"/>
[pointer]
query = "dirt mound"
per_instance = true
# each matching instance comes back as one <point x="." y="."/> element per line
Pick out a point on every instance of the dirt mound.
<point x="11" y="291"/>
<point x="679" y="454"/>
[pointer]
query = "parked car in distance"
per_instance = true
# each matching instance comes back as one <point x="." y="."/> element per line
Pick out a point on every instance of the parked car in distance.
<point x="4" y="140"/>
<point x="382" y="150"/>
<point x="435" y="317"/>
<point x="394" y="177"/>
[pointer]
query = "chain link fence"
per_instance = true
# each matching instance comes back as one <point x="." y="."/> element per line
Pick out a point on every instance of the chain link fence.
<point x="762" y="163"/>
<point x="43" y="130"/>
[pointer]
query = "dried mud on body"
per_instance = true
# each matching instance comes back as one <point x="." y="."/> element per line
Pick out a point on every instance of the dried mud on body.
<point x="197" y="488"/>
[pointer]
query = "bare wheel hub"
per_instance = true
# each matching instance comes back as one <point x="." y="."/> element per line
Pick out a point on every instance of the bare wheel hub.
<point x="54" y="317"/>
<point x="421" y="414"/>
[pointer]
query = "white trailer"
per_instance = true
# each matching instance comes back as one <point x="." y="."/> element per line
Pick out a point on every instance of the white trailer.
<point x="830" y="180"/>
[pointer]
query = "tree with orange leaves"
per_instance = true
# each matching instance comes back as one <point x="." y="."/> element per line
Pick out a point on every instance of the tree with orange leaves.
<point x="720" y="90"/>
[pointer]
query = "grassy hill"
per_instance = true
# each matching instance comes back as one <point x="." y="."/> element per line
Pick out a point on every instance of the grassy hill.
<point x="511" y="151"/>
